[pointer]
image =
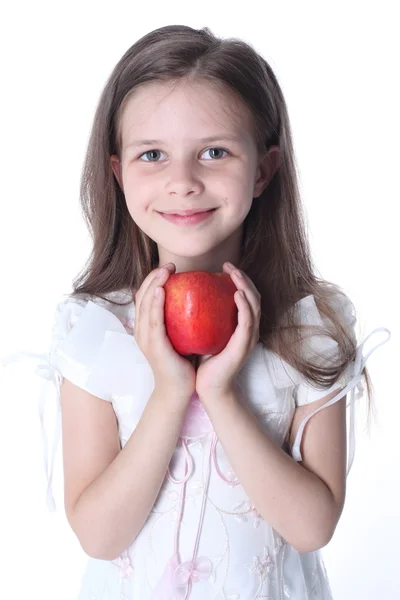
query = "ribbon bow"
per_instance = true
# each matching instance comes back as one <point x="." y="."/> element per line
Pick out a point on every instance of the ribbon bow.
<point x="192" y="571"/>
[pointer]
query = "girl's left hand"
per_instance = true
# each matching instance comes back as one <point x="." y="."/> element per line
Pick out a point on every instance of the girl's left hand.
<point x="216" y="374"/>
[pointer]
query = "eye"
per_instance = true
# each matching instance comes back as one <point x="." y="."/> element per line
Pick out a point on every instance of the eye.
<point x="150" y="152"/>
<point x="218" y="150"/>
<point x="154" y="155"/>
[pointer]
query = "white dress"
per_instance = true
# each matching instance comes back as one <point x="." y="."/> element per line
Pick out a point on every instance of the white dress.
<point x="203" y="539"/>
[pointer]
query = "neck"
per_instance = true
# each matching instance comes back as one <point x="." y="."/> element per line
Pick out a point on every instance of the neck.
<point x="229" y="250"/>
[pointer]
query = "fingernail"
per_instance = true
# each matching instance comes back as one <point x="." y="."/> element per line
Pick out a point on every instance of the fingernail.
<point x="238" y="273"/>
<point x="230" y="265"/>
<point x="160" y="272"/>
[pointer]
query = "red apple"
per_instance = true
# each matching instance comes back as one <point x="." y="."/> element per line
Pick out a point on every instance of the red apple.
<point x="200" y="311"/>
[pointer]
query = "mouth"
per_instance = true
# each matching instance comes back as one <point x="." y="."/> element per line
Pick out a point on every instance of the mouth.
<point x="187" y="217"/>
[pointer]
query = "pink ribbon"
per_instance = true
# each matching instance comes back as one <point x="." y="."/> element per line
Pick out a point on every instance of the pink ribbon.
<point x="192" y="571"/>
<point x="176" y="578"/>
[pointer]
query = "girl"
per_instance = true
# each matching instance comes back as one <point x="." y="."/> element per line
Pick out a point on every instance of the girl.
<point x="215" y="477"/>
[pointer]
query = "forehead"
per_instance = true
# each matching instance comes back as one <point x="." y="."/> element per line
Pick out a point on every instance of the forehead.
<point x="185" y="109"/>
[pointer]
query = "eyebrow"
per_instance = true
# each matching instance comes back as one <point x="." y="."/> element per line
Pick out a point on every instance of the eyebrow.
<point x="213" y="138"/>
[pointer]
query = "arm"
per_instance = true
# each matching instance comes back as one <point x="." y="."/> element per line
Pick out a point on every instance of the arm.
<point x="110" y="492"/>
<point x="302" y="502"/>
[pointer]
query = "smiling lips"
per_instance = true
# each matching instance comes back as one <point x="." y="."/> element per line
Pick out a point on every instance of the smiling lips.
<point x="187" y="217"/>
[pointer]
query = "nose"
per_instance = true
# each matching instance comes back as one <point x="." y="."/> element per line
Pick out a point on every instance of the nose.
<point x="183" y="179"/>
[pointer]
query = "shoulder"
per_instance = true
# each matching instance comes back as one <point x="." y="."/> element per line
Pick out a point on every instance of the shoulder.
<point x="307" y="311"/>
<point x="92" y="342"/>
<point x="342" y="304"/>
<point x="318" y="347"/>
<point x="71" y="306"/>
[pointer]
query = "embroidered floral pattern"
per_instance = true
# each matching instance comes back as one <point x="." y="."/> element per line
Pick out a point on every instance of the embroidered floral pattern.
<point x="286" y="590"/>
<point x="279" y="545"/>
<point x="124" y="564"/>
<point x="196" y="492"/>
<point x="249" y="510"/>
<point x="231" y="475"/>
<point x="262" y="565"/>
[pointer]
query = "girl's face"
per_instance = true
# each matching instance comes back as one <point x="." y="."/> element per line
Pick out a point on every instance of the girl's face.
<point x="187" y="147"/>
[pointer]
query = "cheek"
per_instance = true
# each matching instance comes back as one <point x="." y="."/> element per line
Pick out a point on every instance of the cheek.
<point x="242" y="206"/>
<point x="136" y="212"/>
<point x="240" y="183"/>
<point x="241" y="197"/>
<point x="138" y="198"/>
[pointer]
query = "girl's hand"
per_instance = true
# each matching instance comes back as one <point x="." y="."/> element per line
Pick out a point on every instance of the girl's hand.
<point x="216" y="374"/>
<point x="173" y="374"/>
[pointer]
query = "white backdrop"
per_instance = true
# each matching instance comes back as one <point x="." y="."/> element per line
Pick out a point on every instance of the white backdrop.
<point x="338" y="66"/>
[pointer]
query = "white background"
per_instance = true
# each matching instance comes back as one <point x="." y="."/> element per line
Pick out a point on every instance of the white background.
<point x="338" y="66"/>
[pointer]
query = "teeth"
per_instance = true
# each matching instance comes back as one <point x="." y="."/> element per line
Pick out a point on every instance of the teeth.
<point x="178" y="214"/>
<point x="190" y="214"/>
<point x="200" y="212"/>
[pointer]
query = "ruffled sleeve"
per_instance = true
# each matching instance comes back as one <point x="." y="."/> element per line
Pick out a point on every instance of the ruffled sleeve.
<point x="322" y="350"/>
<point x="98" y="354"/>
<point x="80" y="338"/>
<point x="49" y="368"/>
<point x="91" y="347"/>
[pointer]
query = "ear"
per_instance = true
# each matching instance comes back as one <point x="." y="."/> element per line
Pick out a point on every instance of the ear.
<point x="117" y="169"/>
<point x="267" y="167"/>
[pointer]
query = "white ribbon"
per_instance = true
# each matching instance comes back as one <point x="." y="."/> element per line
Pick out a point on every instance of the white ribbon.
<point x="46" y="370"/>
<point x="359" y="364"/>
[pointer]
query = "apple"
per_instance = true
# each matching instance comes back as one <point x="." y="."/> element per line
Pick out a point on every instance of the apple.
<point x="200" y="311"/>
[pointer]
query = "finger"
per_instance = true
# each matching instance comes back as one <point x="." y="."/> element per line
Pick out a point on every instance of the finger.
<point x="143" y="288"/>
<point x="245" y="314"/>
<point x="242" y="338"/>
<point x="255" y="309"/>
<point x="144" y="327"/>
<point x="243" y="332"/>
<point x="148" y="280"/>
<point x="148" y="295"/>
<point x="156" y="315"/>
<point x="254" y="303"/>
<point x="245" y="284"/>
<point x="238" y="275"/>
<point x="157" y="328"/>
<point x="151" y="281"/>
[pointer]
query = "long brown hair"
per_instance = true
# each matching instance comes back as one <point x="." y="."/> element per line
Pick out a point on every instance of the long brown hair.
<point x="276" y="253"/>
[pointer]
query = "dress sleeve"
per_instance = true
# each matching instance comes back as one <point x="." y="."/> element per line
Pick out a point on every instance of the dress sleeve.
<point x="79" y="332"/>
<point x="322" y="350"/>
<point x="90" y="346"/>
<point x="52" y="371"/>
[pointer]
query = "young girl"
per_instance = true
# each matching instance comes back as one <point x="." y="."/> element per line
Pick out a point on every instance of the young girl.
<point x="214" y="477"/>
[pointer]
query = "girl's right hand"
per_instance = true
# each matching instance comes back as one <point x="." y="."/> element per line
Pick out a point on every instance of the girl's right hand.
<point x="173" y="374"/>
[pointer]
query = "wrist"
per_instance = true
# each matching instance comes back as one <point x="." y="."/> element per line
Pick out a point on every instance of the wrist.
<point x="222" y="395"/>
<point x="172" y="397"/>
